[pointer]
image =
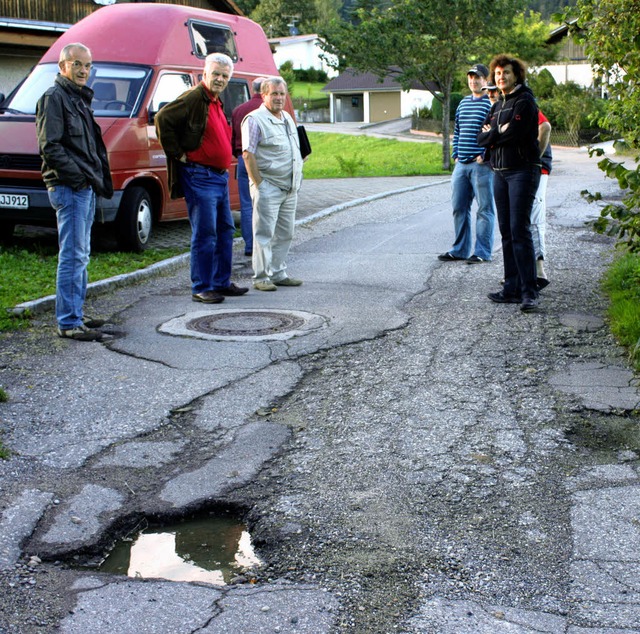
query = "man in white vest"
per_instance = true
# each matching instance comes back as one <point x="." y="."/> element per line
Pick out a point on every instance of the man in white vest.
<point x="271" y="152"/>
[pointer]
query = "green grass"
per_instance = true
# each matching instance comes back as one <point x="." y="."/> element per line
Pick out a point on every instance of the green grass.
<point x="622" y="284"/>
<point x="309" y="90"/>
<point x="30" y="273"/>
<point x="343" y="156"/>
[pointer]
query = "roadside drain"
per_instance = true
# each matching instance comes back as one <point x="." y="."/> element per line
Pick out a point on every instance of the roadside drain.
<point x="212" y="550"/>
<point x="258" y="324"/>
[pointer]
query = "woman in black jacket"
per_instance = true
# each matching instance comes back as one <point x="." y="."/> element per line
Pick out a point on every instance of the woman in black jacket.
<point x="511" y="133"/>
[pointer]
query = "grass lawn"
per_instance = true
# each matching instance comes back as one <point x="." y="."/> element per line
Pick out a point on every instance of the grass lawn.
<point x="343" y="156"/>
<point x="30" y="273"/>
<point x="622" y="284"/>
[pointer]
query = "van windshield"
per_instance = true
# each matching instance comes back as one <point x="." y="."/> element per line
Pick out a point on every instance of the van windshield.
<point x="118" y="89"/>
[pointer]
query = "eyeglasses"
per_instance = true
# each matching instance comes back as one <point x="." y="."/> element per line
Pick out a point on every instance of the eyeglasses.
<point x="77" y="64"/>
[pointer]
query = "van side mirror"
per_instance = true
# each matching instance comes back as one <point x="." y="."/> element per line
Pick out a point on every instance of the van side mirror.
<point x="2" y="98"/>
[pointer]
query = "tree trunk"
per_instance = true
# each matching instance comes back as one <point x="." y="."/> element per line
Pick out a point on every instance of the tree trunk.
<point x="446" y="125"/>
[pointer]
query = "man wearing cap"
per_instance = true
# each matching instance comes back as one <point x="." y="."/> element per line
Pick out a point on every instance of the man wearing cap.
<point x="472" y="176"/>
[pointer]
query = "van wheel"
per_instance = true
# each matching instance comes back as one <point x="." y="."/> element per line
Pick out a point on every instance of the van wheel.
<point x="135" y="220"/>
<point x="6" y="231"/>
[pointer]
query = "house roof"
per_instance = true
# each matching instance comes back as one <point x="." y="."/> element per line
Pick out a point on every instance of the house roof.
<point x="350" y="80"/>
<point x="293" y="39"/>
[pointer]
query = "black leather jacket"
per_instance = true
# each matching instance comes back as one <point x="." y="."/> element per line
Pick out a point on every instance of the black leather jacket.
<point x="516" y="147"/>
<point x="73" y="152"/>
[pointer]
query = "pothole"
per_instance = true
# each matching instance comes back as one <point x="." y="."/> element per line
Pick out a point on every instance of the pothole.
<point x="258" y="324"/>
<point x="212" y="550"/>
<point x="606" y="433"/>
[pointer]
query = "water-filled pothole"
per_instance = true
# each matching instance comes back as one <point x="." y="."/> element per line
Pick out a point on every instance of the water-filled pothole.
<point x="210" y="550"/>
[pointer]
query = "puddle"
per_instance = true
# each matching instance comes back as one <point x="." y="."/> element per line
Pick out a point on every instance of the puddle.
<point x="211" y="550"/>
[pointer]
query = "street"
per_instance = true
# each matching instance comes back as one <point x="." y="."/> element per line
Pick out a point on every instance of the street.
<point x="407" y="456"/>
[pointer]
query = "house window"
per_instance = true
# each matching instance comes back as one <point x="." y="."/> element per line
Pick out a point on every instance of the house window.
<point x="207" y="38"/>
<point x="355" y="102"/>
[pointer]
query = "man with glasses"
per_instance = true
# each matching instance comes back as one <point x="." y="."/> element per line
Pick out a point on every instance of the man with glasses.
<point x="75" y="170"/>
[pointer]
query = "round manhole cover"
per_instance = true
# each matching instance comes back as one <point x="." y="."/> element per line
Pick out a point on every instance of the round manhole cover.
<point x="244" y="325"/>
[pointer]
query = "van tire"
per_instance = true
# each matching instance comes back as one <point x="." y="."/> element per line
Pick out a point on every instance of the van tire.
<point x="7" y="228"/>
<point x="135" y="220"/>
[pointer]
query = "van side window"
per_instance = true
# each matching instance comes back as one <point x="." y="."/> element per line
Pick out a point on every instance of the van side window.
<point x="170" y="87"/>
<point x="236" y="92"/>
<point x="208" y="38"/>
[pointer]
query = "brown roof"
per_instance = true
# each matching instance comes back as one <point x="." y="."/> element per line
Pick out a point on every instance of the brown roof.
<point x="350" y="80"/>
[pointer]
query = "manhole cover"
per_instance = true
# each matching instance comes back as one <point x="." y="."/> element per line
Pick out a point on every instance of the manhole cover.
<point x="244" y="325"/>
<point x="253" y="324"/>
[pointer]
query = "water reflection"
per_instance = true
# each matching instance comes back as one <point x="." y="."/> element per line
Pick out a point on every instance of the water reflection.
<point x="211" y="550"/>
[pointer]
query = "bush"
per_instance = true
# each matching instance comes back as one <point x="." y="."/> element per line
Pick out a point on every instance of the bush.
<point x="542" y="84"/>
<point x="311" y="75"/>
<point x="436" y="106"/>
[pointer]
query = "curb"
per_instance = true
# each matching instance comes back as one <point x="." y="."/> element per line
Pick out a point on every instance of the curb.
<point x="42" y="304"/>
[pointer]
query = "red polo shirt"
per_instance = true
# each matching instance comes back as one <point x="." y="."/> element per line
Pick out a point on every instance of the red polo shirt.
<point x="215" y="149"/>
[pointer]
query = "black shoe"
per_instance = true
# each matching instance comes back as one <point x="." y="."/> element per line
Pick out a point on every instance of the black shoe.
<point x="475" y="259"/>
<point x="80" y="333"/>
<point x="501" y="298"/>
<point x="541" y="282"/>
<point x="208" y="297"/>
<point x="232" y="290"/>
<point x="528" y="304"/>
<point x="447" y="257"/>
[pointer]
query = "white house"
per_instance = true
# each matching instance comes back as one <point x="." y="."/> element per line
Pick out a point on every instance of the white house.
<point x="302" y="50"/>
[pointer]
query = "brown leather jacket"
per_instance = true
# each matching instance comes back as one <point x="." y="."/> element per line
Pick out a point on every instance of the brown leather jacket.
<point x="180" y="126"/>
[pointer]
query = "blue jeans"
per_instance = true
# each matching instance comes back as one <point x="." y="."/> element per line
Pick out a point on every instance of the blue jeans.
<point x="469" y="181"/>
<point x="246" y="207"/>
<point x="515" y="191"/>
<point x="207" y="196"/>
<point x="75" y="211"/>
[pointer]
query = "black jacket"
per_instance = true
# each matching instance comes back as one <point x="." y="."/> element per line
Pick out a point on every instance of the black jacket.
<point x="71" y="146"/>
<point x="516" y="147"/>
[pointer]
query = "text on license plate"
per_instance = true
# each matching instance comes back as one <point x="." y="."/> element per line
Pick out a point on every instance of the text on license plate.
<point x="14" y="201"/>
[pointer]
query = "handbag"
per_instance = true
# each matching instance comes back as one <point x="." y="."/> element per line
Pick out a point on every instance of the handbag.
<point x="305" y="146"/>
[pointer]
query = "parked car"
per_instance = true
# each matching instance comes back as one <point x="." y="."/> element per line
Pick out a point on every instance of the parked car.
<point x="143" y="57"/>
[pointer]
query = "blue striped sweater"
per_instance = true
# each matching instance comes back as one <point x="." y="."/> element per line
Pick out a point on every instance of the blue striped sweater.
<point x="470" y="115"/>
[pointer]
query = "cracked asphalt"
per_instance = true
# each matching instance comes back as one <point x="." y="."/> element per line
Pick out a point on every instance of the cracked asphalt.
<point x="415" y="459"/>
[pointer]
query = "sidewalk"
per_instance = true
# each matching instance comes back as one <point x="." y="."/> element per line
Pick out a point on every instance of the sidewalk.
<point x="407" y="455"/>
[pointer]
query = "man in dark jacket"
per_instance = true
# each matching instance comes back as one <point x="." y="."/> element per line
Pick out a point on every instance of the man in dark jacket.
<point x="75" y="170"/>
<point x="196" y="138"/>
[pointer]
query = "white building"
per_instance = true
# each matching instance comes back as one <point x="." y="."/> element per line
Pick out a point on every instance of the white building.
<point x="303" y="51"/>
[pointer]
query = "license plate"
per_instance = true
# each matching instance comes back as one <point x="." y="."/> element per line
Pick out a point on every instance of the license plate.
<point x="14" y="201"/>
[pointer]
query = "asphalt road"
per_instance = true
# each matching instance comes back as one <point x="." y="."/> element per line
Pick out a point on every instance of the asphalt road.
<point x="408" y="456"/>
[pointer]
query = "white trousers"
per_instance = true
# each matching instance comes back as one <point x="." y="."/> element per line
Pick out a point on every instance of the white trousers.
<point x="274" y="214"/>
<point x="539" y="218"/>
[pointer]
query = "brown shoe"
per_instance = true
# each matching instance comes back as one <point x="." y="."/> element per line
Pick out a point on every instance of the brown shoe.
<point x="208" y="297"/>
<point x="232" y="290"/>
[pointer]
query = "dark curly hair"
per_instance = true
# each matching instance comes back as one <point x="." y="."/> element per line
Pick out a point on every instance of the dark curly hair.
<point x="519" y="67"/>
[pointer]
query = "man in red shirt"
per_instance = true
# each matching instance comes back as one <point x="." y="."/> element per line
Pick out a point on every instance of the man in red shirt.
<point x="196" y="138"/>
<point x="246" y="206"/>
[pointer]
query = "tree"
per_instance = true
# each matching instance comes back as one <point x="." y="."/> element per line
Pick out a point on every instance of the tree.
<point x="278" y="16"/>
<point x="610" y="31"/>
<point x="413" y="40"/>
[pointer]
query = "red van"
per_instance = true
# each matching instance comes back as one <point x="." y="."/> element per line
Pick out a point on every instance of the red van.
<point x="144" y="55"/>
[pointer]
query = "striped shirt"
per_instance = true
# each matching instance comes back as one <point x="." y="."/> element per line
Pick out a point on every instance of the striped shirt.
<point x="470" y="116"/>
